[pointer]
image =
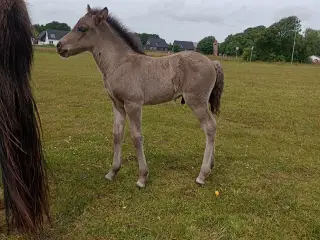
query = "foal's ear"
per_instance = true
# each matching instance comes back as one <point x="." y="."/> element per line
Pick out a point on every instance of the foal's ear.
<point x="101" y="16"/>
<point x="88" y="8"/>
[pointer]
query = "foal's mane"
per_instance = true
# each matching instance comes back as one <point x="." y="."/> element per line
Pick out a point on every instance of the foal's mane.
<point x="122" y="31"/>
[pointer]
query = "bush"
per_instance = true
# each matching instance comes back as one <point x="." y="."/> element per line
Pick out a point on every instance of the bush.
<point x="176" y="48"/>
<point x="205" y="46"/>
<point x="247" y="53"/>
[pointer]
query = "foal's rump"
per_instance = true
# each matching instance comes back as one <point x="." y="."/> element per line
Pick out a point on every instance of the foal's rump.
<point x="199" y="77"/>
<point x="204" y="80"/>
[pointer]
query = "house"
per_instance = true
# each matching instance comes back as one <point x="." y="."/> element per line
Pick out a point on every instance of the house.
<point x="51" y="37"/>
<point x="195" y="45"/>
<point x="156" y="44"/>
<point x="185" y="45"/>
<point x="315" y="59"/>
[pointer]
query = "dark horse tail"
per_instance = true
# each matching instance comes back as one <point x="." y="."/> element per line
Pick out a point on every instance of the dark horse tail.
<point x="217" y="90"/>
<point x="21" y="158"/>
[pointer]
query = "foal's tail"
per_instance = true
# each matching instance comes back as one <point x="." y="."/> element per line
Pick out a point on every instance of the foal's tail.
<point x="217" y="90"/>
<point x="21" y="158"/>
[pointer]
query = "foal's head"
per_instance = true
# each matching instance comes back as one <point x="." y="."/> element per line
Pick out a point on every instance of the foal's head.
<point x="84" y="34"/>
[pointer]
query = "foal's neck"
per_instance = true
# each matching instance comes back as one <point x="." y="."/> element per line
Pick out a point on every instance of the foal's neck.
<point x="110" y="51"/>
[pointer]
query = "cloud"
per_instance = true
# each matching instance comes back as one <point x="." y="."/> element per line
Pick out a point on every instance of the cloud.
<point x="182" y="19"/>
<point x="187" y="11"/>
<point x="303" y="12"/>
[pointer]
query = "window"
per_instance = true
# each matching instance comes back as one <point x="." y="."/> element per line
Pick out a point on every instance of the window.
<point x="52" y="35"/>
<point x="50" y="42"/>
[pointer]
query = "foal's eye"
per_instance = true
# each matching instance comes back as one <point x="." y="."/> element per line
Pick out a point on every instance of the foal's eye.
<point x="82" y="29"/>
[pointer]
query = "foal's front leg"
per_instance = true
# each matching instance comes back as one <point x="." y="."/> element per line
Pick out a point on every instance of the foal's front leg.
<point x="134" y="112"/>
<point x="118" y="133"/>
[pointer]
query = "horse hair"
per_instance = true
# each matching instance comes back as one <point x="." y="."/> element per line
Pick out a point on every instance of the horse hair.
<point x="21" y="157"/>
<point x="127" y="36"/>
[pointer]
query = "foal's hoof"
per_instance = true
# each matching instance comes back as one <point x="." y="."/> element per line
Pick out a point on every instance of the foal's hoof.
<point x="141" y="184"/>
<point x="109" y="176"/>
<point x="200" y="181"/>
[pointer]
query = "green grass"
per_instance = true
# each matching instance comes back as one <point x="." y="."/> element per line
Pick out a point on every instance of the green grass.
<point x="267" y="158"/>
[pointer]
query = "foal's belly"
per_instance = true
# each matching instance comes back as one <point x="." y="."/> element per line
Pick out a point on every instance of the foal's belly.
<point x="158" y="93"/>
<point x="158" y="99"/>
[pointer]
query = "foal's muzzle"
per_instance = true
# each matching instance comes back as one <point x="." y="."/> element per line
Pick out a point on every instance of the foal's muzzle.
<point x="62" y="52"/>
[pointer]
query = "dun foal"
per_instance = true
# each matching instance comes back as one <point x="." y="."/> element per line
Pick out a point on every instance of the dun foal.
<point x="133" y="79"/>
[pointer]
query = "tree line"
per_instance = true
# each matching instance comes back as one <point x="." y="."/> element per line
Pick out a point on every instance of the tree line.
<point x="282" y="41"/>
<point x="37" y="28"/>
<point x="274" y="43"/>
<point x="260" y="43"/>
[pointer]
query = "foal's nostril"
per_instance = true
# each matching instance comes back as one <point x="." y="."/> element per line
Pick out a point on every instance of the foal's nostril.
<point x="59" y="45"/>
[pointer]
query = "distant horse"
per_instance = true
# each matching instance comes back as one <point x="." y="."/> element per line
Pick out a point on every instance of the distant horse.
<point x="21" y="157"/>
<point x="133" y="79"/>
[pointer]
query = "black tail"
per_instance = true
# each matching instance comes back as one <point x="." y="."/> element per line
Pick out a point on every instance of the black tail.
<point x="215" y="96"/>
<point x="22" y="163"/>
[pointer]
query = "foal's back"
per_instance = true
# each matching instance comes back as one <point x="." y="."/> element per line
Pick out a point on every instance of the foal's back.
<point x="163" y="79"/>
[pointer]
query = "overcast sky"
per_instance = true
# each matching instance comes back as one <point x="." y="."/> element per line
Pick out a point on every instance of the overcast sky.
<point x="188" y="20"/>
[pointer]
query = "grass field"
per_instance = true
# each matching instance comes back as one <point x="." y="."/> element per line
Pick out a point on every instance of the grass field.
<point x="267" y="158"/>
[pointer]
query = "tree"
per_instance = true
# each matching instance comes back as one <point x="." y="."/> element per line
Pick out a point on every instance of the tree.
<point x="175" y="48"/>
<point x="39" y="28"/>
<point x="275" y="43"/>
<point x="267" y="46"/>
<point x="312" y="41"/>
<point x="145" y="36"/>
<point x="245" y="39"/>
<point x="247" y="54"/>
<point x="206" y="45"/>
<point x="54" y="25"/>
<point x="233" y="41"/>
<point x="35" y="32"/>
<point x="58" y="26"/>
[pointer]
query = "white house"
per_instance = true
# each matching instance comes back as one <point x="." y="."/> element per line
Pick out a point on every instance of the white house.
<point x="51" y="37"/>
<point x="195" y="44"/>
<point x="315" y="59"/>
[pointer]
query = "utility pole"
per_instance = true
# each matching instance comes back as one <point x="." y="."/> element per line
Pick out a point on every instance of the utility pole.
<point x="294" y="45"/>
<point x="251" y="53"/>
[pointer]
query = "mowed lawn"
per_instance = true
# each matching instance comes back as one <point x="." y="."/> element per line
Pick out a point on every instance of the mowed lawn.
<point x="267" y="158"/>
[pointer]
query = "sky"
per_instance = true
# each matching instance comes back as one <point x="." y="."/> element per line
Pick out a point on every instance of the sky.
<point x="188" y="20"/>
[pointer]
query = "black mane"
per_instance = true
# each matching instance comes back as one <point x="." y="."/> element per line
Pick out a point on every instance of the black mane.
<point x="122" y="31"/>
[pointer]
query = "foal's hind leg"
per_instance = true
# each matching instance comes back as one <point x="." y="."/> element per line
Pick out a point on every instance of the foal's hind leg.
<point x="208" y="124"/>
<point x="118" y="134"/>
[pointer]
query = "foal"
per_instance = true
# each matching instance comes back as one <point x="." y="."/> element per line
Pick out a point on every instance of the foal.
<point x="133" y="79"/>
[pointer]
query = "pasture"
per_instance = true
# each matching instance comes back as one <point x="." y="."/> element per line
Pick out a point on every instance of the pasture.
<point x="267" y="158"/>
